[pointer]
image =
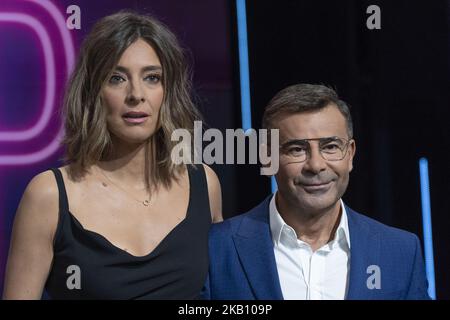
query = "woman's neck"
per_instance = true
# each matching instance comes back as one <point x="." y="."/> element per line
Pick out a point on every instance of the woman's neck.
<point x="127" y="164"/>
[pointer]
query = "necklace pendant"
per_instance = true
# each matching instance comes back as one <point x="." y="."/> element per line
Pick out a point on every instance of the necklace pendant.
<point x="146" y="203"/>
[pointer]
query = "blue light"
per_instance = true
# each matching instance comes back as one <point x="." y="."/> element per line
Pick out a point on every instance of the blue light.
<point x="246" y="113"/>
<point x="427" y="229"/>
<point x="274" y="184"/>
<point x="243" y="65"/>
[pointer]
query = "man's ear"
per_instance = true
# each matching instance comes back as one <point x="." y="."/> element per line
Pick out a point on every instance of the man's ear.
<point x="351" y="152"/>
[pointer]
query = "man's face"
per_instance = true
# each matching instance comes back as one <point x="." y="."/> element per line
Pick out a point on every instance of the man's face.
<point x="316" y="184"/>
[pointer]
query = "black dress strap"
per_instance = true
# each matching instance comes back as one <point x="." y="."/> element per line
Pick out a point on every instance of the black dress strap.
<point x="63" y="202"/>
<point x="199" y="189"/>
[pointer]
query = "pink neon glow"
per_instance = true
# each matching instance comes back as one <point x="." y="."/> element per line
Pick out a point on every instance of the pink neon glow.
<point x="50" y="75"/>
<point x="65" y="34"/>
<point x="69" y="51"/>
<point x="34" y="157"/>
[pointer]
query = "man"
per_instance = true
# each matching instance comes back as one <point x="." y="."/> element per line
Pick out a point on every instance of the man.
<point x="303" y="242"/>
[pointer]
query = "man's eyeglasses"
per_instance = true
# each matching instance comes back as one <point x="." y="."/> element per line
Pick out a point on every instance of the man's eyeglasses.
<point x="331" y="149"/>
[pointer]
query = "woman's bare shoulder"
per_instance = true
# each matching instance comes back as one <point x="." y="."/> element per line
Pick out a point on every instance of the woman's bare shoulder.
<point x="42" y="185"/>
<point x="43" y="188"/>
<point x="38" y="208"/>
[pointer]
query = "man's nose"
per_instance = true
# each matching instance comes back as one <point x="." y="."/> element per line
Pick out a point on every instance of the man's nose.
<point x="315" y="162"/>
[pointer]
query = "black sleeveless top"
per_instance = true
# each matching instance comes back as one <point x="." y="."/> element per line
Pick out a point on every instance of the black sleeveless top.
<point x="87" y="266"/>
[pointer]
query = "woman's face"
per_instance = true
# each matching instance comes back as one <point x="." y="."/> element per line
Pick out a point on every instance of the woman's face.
<point x="133" y="94"/>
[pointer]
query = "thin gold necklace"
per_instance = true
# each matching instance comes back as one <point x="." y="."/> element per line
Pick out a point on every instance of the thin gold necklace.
<point x="145" y="202"/>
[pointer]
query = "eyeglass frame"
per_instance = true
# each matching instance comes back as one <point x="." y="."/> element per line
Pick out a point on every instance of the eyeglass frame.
<point x="308" y="151"/>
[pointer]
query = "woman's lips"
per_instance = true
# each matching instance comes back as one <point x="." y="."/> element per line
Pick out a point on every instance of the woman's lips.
<point x="135" y="120"/>
<point x="135" y="116"/>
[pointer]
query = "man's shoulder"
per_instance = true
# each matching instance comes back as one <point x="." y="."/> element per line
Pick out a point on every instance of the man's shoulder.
<point x="388" y="233"/>
<point x="231" y="226"/>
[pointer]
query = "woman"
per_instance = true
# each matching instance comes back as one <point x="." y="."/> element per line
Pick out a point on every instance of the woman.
<point x="120" y="220"/>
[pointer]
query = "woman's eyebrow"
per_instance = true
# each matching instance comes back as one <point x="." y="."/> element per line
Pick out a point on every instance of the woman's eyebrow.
<point x="143" y="69"/>
<point x="151" y="68"/>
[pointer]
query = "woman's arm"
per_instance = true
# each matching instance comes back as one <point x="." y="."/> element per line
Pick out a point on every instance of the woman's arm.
<point x="31" y="249"/>
<point x="215" y="194"/>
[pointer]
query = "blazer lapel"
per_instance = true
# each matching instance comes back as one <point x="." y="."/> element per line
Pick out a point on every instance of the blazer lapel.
<point x="254" y="245"/>
<point x="364" y="252"/>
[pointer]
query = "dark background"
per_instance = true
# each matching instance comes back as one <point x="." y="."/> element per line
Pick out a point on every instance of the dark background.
<point x="397" y="82"/>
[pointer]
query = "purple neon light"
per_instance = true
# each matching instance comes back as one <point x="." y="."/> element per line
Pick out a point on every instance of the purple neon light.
<point x="50" y="75"/>
<point x="33" y="157"/>
<point x="53" y="146"/>
<point x="65" y="34"/>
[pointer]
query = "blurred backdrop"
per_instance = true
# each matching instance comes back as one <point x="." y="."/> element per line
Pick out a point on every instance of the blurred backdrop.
<point x="396" y="80"/>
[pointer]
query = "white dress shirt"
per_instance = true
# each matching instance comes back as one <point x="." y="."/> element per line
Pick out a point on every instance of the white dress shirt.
<point x="308" y="275"/>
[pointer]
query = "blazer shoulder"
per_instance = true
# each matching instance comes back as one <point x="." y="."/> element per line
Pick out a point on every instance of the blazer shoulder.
<point x="227" y="227"/>
<point x="231" y="226"/>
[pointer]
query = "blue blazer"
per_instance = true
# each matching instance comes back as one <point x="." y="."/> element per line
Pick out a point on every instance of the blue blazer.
<point x="242" y="261"/>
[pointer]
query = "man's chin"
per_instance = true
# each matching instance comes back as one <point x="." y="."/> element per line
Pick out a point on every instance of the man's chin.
<point x="316" y="203"/>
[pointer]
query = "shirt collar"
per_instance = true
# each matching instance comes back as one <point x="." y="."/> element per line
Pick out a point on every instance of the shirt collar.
<point x="276" y="221"/>
<point x="277" y="225"/>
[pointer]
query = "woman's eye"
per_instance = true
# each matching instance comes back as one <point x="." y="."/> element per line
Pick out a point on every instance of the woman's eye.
<point x="153" y="78"/>
<point x="115" y="79"/>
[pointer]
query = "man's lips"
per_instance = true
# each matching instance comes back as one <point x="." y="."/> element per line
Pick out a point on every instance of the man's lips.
<point x="315" y="186"/>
